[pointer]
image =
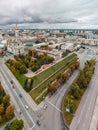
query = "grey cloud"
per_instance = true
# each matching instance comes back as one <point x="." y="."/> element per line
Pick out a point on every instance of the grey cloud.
<point x="49" y="11"/>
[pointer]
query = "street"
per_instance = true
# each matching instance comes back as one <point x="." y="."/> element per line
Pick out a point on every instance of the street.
<point x="28" y="114"/>
<point x="51" y="117"/>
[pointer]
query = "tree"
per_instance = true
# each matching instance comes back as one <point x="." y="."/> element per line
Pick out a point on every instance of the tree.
<point x="82" y="80"/>
<point x="30" y="52"/>
<point x="17" y="125"/>
<point x="9" y="112"/>
<point x="77" y="64"/>
<point x="7" y="127"/>
<point x="22" y="69"/>
<point x="75" y="90"/>
<point x="0" y="119"/>
<point x="1" y="99"/>
<point x="16" y="57"/>
<point x="1" y="108"/>
<point x="72" y="67"/>
<point x="35" y="67"/>
<point x="65" y="76"/>
<point x="6" y="101"/>
<point x="1" y="89"/>
<point x="53" y="87"/>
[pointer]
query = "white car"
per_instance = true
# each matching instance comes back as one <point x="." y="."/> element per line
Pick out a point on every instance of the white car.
<point x="26" y="107"/>
<point x="45" y="106"/>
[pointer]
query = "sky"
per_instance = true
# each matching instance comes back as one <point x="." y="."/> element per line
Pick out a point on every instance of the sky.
<point x="41" y="13"/>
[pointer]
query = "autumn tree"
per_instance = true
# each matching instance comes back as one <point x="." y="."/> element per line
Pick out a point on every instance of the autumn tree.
<point x="9" y="112"/>
<point x="53" y="86"/>
<point x="6" y="101"/>
<point x="77" y="64"/>
<point x="1" y="89"/>
<point x="1" y="109"/>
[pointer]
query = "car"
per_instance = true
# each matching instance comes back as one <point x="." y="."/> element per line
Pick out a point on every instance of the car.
<point x="11" y="81"/>
<point x="45" y="106"/>
<point x="20" y="95"/>
<point x="38" y="123"/>
<point x="26" y="107"/>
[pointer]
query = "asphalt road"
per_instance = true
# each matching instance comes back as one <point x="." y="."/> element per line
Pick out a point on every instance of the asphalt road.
<point x="29" y="114"/>
<point x="52" y="116"/>
<point x="84" y="112"/>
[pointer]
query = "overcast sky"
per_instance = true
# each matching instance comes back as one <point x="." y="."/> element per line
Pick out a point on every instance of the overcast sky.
<point x="48" y="11"/>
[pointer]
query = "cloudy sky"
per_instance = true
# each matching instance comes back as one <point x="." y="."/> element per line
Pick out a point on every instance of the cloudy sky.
<point x="42" y="12"/>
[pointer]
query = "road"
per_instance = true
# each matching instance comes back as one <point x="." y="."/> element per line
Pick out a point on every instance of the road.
<point x="84" y="112"/>
<point x="29" y="114"/>
<point x="52" y="116"/>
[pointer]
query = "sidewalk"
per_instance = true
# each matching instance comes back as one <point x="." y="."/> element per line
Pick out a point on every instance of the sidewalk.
<point x="94" y="121"/>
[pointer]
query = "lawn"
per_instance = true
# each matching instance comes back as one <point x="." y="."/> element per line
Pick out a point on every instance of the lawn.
<point x="69" y="116"/>
<point x="46" y="83"/>
<point x="19" y="77"/>
<point x="45" y="74"/>
<point x="43" y="79"/>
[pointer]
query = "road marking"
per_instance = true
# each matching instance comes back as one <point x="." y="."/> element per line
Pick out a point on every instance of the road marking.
<point x="19" y="99"/>
<point x="54" y="106"/>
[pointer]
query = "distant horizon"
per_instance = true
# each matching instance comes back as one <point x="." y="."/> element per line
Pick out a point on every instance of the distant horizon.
<point x="52" y="26"/>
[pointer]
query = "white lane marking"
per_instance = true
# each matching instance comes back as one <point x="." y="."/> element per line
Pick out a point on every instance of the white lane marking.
<point x="54" y="106"/>
<point x="20" y="101"/>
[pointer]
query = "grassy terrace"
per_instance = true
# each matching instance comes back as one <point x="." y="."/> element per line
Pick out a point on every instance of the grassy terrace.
<point x="42" y="80"/>
<point x="36" y="92"/>
<point x="45" y="74"/>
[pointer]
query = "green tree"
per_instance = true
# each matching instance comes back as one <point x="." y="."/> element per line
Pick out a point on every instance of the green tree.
<point x="82" y="81"/>
<point x="0" y="119"/>
<point x="75" y="90"/>
<point x="7" y="127"/>
<point x="22" y="69"/>
<point x="30" y="52"/>
<point x="17" y="125"/>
